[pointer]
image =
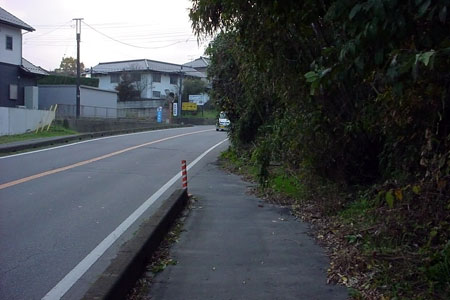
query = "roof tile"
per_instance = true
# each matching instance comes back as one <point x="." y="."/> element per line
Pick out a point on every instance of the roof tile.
<point x="11" y="20"/>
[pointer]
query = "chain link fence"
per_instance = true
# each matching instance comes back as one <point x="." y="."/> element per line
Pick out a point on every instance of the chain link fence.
<point x="65" y="111"/>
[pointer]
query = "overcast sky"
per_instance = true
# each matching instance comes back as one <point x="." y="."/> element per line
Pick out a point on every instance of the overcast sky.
<point x="158" y="30"/>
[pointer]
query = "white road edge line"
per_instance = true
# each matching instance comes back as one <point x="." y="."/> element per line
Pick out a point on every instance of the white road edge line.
<point x="88" y="141"/>
<point x="60" y="289"/>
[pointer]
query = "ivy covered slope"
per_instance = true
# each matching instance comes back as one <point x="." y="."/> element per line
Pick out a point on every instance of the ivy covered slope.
<point x="354" y="95"/>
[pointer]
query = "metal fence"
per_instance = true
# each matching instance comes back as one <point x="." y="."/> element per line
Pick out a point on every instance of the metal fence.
<point x="69" y="111"/>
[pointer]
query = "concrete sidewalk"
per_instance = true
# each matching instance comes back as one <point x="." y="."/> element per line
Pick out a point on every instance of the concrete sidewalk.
<point x="237" y="247"/>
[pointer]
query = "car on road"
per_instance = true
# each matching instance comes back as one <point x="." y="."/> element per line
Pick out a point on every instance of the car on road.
<point x="222" y="122"/>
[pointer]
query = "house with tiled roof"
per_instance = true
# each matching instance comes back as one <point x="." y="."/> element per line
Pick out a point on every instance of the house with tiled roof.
<point x="154" y="79"/>
<point x="200" y="64"/>
<point x="16" y="72"/>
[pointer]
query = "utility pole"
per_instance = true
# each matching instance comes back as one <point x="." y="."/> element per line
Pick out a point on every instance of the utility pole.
<point x="78" y="31"/>
<point x="180" y="92"/>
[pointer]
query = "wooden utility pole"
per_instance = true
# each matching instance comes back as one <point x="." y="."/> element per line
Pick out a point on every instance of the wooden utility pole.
<point x="78" y="31"/>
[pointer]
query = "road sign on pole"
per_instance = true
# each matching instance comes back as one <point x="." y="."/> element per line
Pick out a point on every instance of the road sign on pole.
<point x="159" y="114"/>
<point x="188" y="106"/>
<point x="175" y="109"/>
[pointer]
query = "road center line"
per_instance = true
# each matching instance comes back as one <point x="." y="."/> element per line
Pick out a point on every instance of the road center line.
<point x="59" y="290"/>
<point x="85" y="162"/>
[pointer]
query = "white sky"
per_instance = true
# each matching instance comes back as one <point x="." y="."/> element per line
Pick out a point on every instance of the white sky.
<point x="162" y="26"/>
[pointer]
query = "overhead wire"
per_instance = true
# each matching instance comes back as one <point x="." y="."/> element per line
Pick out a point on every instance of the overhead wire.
<point x="58" y="35"/>
<point x="128" y="44"/>
<point x="48" y="32"/>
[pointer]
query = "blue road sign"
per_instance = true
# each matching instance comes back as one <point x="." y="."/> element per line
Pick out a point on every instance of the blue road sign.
<point x="159" y="114"/>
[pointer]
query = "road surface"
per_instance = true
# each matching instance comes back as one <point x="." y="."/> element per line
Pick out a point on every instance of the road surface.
<point x="61" y="208"/>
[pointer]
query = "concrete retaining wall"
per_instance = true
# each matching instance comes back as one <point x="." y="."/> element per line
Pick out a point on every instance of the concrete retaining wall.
<point x="19" y="120"/>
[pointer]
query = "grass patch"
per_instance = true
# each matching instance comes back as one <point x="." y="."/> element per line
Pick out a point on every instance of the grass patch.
<point x="356" y="210"/>
<point x="231" y="157"/>
<point x="54" y="130"/>
<point x="288" y="185"/>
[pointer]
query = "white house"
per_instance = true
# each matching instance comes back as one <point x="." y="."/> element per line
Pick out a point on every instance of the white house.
<point x="154" y="79"/>
<point x="16" y="72"/>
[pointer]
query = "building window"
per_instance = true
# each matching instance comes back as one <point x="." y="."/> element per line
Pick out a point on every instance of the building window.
<point x="156" y="94"/>
<point x="156" y="77"/>
<point x="173" y="79"/>
<point x="13" y="91"/>
<point x="135" y="77"/>
<point x="9" y="42"/>
<point x="115" y="78"/>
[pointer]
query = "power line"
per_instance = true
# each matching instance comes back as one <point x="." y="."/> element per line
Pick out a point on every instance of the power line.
<point x="127" y="44"/>
<point x="48" y="32"/>
<point x="68" y="41"/>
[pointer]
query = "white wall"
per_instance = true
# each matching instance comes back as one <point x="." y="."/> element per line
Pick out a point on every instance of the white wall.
<point x="13" y="56"/>
<point x="56" y="94"/>
<point x="91" y="96"/>
<point x="94" y="102"/>
<point x="98" y="103"/>
<point x="19" y="120"/>
<point x="165" y="84"/>
<point x="105" y="83"/>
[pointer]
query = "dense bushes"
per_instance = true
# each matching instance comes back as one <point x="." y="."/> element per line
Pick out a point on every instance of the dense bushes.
<point x="356" y="83"/>
<point x="354" y="92"/>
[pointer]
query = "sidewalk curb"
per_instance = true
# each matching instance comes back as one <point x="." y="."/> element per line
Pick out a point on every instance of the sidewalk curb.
<point x="126" y="268"/>
<point x="78" y="137"/>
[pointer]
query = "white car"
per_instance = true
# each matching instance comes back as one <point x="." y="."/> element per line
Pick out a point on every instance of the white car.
<point x="222" y="123"/>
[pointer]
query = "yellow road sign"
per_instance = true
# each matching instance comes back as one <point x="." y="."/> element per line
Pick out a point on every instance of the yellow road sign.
<point x="188" y="106"/>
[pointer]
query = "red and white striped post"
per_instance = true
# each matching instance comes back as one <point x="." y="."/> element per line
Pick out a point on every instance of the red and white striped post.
<point x="184" y="174"/>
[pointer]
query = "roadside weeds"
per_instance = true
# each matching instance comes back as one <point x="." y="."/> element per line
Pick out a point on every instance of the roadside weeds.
<point x="161" y="258"/>
<point x="54" y="131"/>
<point x="378" y="248"/>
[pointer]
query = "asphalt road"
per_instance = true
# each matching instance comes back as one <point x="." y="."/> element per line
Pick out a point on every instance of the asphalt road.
<point x="59" y="204"/>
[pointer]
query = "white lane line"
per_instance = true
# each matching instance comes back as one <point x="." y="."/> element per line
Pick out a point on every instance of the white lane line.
<point x="87" y="141"/>
<point x="75" y="274"/>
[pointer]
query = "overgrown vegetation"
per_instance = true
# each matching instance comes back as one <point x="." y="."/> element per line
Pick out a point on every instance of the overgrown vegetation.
<point x="54" y="130"/>
<point x="351" y="100"/>
<point x="192" y="86"/>
<point x="205" y="114"/>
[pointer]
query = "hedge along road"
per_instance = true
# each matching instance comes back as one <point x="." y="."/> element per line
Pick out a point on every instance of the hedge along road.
<point x="63" y="210"/>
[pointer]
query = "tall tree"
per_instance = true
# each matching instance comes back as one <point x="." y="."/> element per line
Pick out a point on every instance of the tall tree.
<point x="68" y="66"/>
<point x="126" y="88"/>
